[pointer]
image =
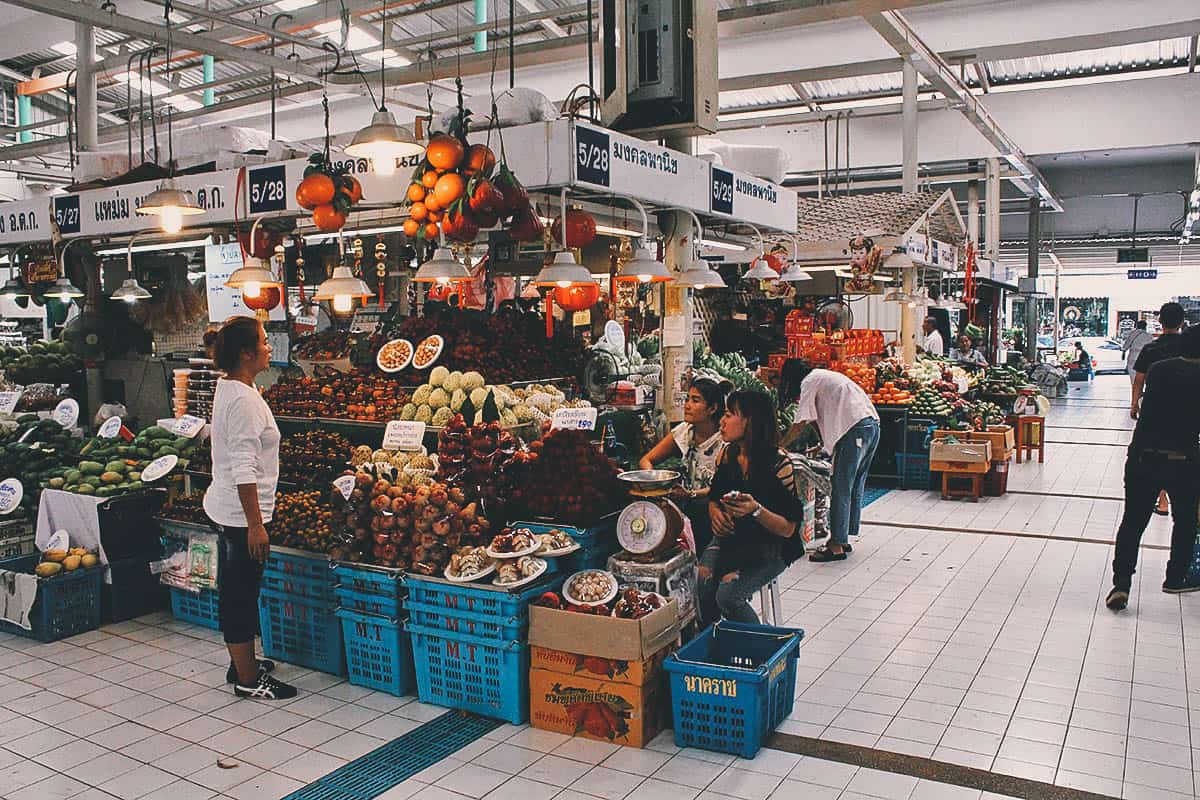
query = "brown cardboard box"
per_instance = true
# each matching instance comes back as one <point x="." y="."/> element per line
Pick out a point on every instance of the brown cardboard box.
<point x="636" y="673"/>
<point x="605" y="637"/>
<point x="959" y="457"/>
<point x="597" y="708"/>
<point x="1002" y="438"/>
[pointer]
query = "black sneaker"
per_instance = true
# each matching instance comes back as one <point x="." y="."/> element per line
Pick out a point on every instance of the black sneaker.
<point x="1180" y="587"/>
<point x="265" y="667"/>
<point x="1117" y="599"/>
<point x="267" y="688"/>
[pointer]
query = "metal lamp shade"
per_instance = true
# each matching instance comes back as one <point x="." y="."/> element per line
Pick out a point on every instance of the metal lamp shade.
<point x="130" y="291"/>
<point x="63" y="290"/>
<point x="442" y="268"/>
<point x="13" y="288"/>
<point x="794" y="274"/>
<point x="384" y="138"/>
<point x="342" y="283"/>
<point x="167" y="196"/>
<point x="644" y="268"/>
<point x="563" y="271"/>
<point x="700" y="276"/>
<point x="254" y="271"/>
<point x="761" y="271"/>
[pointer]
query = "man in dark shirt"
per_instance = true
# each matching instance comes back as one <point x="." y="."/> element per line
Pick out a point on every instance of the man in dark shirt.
<point x="1164" y="455"/>
<point x="1170" y="316"/>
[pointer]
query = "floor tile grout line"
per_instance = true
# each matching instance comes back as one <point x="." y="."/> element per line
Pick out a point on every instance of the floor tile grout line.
<point x="1014" y="534"/>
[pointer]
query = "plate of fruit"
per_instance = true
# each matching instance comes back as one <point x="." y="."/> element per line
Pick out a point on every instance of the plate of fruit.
<point x="590" y="587"/>
<point x="395" y="355"/>
<point x="526" y="569"/>
<point x="428" y="351"/>
<point x="557" y="543"/>
<point x="469" y="564"/>
<point x="513" y="544"/>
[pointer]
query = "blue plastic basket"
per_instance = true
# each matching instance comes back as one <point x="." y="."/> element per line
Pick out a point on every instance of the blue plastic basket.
<point x="369" y="590"/>
<point x="596" y="543"/>
<point x="300" y="631"/>
<point x="455" y="622"/>
<point x="378" y="652"/>
<point x="199" y="608"/>
<point x="367" y="603"/>
<point x="67" y="603"/>
<point x="471" y="674"/>
<point x="732" y="685"/>
<point x="914" y="471"/>
<point x="299" y="574"/>
<point x="476" y="598"/>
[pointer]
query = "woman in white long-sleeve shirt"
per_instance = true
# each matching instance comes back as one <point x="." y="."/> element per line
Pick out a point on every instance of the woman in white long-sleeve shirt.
<point x="241" y="498"/>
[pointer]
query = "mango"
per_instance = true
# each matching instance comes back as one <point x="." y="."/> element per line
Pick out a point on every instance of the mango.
<point x="71" y="563"/>
<point x="77" y="551"/>
<point x="112" y="477"/>
<point x="47" y="568"/>
<point x="87" y="488"/>
<point x="88" y="561"/>
<point x="54" y="555"/>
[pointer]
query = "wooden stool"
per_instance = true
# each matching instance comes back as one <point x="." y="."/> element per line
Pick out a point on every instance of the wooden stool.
<point x="1030" y="436"/>
<point x="949" y="491"/>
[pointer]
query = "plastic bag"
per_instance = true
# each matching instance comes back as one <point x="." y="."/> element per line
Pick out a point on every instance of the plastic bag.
<point x="203" y="560"/>
<point x="173" y="571"/>
<point x="516" y="106"/>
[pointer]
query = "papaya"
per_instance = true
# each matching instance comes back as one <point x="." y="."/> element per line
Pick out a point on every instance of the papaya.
<point x="118" y="467"/>
<point x="47" y="568"/>
<point x="56" y="483"/>
<point x="72" y="475"/>
<point x="134" y="476"/>
<point x="87" y="561"/>
<point x="87" y="488"/>
<point x="54" y="555"/>
<point x="157" y="432"/>
<point x="134" y="485"/>
<point x="71" y="563"/>
<point x="111" y="476"/>
<point x="91" y="467"/>
<point x="106" y="491"/>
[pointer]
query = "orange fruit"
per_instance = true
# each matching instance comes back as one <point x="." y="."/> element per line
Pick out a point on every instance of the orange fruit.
<point x="352" y="189"/>
<point x="416" y="193"/>
<point x="418" y="211"/>
<point x="315" y="190"/>
<point x="328" y="219"/>
<point x="479" y="158"/>
<point x="444" y="152"/>
<point x="434" y="216"/>
<point x="432" y="202"/>
<point x="431" y="231"/>
<point x="449" y="188"/>
<point x="429" y="179"/>
<point x="411" y="226"/>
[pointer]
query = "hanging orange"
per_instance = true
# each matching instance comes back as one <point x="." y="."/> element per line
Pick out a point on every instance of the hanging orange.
<point x="315" y="190"/>
<point x="434" y="216"/>
<point x="352" y="189"/>
<point x="328" y="219"/>
<point x="429" y="179"/>
<point x="432" y="202"/>
<point x="411" y="226"/>
<point x="479" y="158"/>
<point x="431" y="231"/>
<point x="416" y="193"/>
<point x="444" y="152"/>
<point x="419" y="211"/>
<point x="449" y="188"/>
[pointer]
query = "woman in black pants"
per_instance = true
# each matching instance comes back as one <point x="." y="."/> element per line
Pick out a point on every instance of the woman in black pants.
<point x="245" y="465"/>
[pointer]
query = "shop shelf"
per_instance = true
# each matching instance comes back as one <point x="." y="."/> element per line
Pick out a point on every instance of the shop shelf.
<point x="301" y="631"/>
<point x="732" y="685"/>
<point x="378" y="652"/>
<point x="914" y="471"/>
<point x="478" y="599"/>
<point x="471" y="674"/>
<point x="299" y="574"/>
<point x="13" y="546"/>
<point x="199" y="608"/>
<point x="134" y="591"/>
<point x="66" y="604"/>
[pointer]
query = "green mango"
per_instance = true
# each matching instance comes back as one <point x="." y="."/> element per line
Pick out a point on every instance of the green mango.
<point x="87" y="488"/>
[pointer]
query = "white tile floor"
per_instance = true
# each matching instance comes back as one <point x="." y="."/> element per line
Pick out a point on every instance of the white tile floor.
<point x="991" y="651"/>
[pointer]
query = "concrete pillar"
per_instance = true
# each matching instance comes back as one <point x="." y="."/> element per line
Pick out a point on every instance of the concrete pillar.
<point x="973" y="213"/>
<point x="677" y="309"/>
<point x="85" y="86"/>
<point x="991" y="210"/>
<point x="1032" y="256"/>
<point x="908" y="114"/>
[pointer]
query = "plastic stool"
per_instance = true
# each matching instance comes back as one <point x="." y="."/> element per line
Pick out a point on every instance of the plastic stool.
<point x="770" y="605"/>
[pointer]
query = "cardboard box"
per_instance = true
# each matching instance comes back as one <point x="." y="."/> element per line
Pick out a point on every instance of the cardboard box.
<point x="635" y="673"/>
<point x="959" y="457"/>
<point x="675" y="579"/>
<point x="597" y="708"/>
<point x="1001" y="437"/>
<point x="605" y="637"/>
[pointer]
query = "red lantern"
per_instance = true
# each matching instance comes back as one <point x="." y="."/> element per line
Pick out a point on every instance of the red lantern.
<point x="267" y="298"/>
<point x="441" y="291"/>
<point x="577" y="297"/>
<point x="777" y="261"/>
<point x="581" y="228"/>
<point x="263" y="244"/>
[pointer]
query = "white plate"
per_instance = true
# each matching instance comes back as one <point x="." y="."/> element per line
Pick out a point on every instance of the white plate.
<point x="411" y="350"/>
<point x="528" y="551"/>
<point x="523" y="581"/>
<point x="441" y="344"/>
<point x="564" y="551"/>
<point x="603" y="601"/>
<point x="483" y="573"/>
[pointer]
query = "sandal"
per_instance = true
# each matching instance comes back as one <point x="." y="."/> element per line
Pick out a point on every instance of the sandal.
<point x="825" y="554"/>
<point x="1161" y="513"/>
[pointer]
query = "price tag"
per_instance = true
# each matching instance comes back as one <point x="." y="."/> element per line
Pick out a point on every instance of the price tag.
<point x="574" y="419"/>
<point x="268" y="189"/>
<point x="722" y="191"/>
<point x="11" y="492"/>
<point x="188" y="426"/>
<point x="158" y="468"/>
<point x="8" y="402"/>
<point x="592" y="156"/>
<point x="110" y="428"/>
<point x="345" y="485"/>
<point x="66" y="413"/>
<point x="403" y="435"/>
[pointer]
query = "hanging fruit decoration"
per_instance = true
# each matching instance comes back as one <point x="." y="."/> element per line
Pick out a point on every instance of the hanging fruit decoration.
<point x="577" y="297"/>
<point x="459" y="189"/>
<point x="328" y="191"/>
<point x="581" y="228"/>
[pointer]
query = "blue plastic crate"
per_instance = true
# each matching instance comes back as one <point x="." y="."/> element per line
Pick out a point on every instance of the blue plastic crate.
<point x="367" y="603"/>
<point x="368" y="579"/>
<point x="471" y="674"/>
<point x="299" y="574"/>
<point x="300" y="631"/>
<point x="378" y="652"/>
<point x="67" y="603"/>
<point x="475" y="598"/>
<point x="454" y="622"/>
<point x="914" y="471"/>
<point x="199" y="608"/>
<point x="732" y="685"/>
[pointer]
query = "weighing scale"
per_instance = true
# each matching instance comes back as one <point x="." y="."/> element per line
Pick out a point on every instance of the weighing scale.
<point x="648" y="529"/>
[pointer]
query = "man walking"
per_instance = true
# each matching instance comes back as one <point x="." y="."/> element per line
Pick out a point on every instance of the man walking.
<point x="1164" y="455"/>
<point x="1135" y="340"/>
<point x="1170" y="316"/>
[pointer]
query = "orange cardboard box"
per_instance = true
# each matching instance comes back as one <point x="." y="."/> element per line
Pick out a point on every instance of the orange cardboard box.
<point x="634" y="673"/>
<point x="597" y="708"/>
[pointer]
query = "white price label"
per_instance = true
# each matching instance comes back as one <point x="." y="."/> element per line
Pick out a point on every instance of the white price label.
<point x="110" y="429"/>
<point x="11" y="492"/>
<point x="8" y="402"/>
<point x="158" y="468"/>
<point x="403" y="435"/>
<point x="188" y="426"/>
<point x="66" y="413"/>
<point x="574" y="419"/>
<point x="345" y="485"/>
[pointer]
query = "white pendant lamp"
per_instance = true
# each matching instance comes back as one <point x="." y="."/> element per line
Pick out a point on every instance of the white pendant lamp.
<point x="13" y="289"/>
<point x="794" y="273"/>
<point x="643" y="267"/>
<point x="341" y="288"/>
<point x="897" y="296"/>
<point x="563" y="271"/>
<point x="252" y="278"/>
<point x="442" y="269"/>
<point x="130" y="291"/>
<point x="384" y="141"/>
<point x="760" y="271"/>
<point x="170" y="204"/>
<point x="699" y="276"/>
<point x="64" y="290"/>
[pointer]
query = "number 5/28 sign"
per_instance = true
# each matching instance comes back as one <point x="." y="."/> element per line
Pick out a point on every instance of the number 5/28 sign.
<point x="268" y="189"/>
<point x="592" y="149"/>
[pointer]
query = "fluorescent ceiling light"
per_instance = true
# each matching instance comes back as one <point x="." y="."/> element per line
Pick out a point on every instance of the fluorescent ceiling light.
<point x="391" y="56"/>
<point x="159" y="90"/>
<point x="357" y="39"/>
<point x="293" y="5"/>
<point x="713" y="243"/>
<point x="153" y="248"/>
<point x="65" y="48"/>
<point x="611" y="231"/>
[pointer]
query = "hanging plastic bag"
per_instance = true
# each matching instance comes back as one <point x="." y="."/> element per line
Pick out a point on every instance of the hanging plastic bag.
<point x="203" y="560"/>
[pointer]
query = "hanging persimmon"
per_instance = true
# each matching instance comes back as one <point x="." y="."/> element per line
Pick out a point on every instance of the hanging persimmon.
<point x="317" y="189"/>
<point x="328" y="218"/>
<point x="479" y="158"/>
<point x="444" y="152"/>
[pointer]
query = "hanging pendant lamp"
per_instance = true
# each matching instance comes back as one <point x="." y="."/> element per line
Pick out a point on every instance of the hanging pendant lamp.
<point x="13" y="289"/>
<point x="443" y="268"/>
<point x="341" y="289"/>
<point x="130" y="291"/>
<point x="760" y="271"/>
<point x="170" y="204"/>
<point x="64" y="291"/>
<point x="563" y="271"/>
<point x="643" y="267"/>
<point x="384" y="141"/>
<point x="794" y="273"/>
